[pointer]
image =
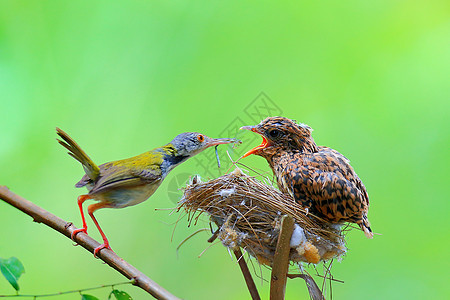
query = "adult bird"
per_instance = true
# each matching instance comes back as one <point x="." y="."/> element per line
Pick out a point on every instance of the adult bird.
<point x="130" y="181"/>
<point x="319" y="178"/>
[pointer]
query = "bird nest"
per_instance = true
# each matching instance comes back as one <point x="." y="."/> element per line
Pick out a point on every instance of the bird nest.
<point x="248" y="215"/>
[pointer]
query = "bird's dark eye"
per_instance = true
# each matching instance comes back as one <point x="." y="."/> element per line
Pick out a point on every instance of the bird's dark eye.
<point x="200" y="138"/>
<point x="274" y="133"/>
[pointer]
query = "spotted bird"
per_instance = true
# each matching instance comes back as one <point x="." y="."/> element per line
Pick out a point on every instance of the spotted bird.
<point x="319" y="178"/>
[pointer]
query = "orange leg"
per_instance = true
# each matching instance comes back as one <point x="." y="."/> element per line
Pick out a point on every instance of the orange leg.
<point x="91" y="209"/>
<point x="81" y="200"/>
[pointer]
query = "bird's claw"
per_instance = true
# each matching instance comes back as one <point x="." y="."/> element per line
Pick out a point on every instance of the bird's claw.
<point x="77" y="231"/>
<point x="102" y="246"/>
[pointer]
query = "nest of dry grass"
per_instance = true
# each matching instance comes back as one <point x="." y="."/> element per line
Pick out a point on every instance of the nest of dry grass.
<point x="248" y="215"/>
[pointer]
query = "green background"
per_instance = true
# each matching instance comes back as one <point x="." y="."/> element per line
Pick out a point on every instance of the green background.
<point x="122" y="77"/>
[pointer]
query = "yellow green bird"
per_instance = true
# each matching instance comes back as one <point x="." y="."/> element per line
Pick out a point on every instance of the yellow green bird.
<point x="130" y="181"/>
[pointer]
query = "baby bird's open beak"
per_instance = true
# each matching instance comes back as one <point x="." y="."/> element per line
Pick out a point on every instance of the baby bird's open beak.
<point x="264" y="143"/>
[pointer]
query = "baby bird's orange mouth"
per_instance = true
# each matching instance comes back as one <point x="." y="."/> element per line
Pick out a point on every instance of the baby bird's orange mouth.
<point x="263" y="145"/>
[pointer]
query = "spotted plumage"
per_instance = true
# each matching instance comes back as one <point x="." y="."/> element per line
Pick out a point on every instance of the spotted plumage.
<point x="319" y="178"/>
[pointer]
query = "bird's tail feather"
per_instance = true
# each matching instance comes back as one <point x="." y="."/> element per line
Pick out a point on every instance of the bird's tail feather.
<point x="91" y="169"/>
<point x="365" y="226"/>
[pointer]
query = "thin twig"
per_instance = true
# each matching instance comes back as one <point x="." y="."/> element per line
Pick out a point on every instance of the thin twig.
<point x="40" y="215"/>
<point x="330" y="278"/>
<point x="189" y="237"/>
<point x="247" y="275"/>
<point x="66" y="292"/>
<point x="281" y="259"/>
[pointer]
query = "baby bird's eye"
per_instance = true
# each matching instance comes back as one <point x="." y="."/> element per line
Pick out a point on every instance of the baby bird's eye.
<point x="274" y="133"/>
<point x="200" y="138"/>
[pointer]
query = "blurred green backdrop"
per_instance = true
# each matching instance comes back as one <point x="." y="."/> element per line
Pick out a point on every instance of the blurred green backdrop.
<point x="122" y="77"/>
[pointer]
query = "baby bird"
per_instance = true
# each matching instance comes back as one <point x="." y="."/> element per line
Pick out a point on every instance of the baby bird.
<point x="319" y="178"/>
<point x="130" y="181"/>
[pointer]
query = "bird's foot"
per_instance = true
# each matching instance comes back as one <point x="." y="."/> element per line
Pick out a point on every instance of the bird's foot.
<point x="77" y="231"/>
<point x="102" y="246"/>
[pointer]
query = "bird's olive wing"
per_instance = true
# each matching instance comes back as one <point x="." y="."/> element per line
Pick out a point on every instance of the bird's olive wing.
<point x="115" y="177"/>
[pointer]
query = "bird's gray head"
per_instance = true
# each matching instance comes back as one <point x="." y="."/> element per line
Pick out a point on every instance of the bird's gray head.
<point x="189" y="144"/>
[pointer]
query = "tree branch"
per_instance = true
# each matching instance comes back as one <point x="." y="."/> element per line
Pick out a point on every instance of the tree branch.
<point x="42" y="216"/>
<point x="281" y="259"/>
<point x="247" y="276"/>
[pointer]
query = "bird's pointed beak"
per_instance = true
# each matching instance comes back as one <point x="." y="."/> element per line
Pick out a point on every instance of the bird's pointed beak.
<point x="214" y="142"/>
<point x="251" y="128"/>
<point x="263" y="145"/>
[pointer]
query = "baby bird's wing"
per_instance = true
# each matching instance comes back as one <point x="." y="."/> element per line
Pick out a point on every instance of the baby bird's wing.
<point x="342" y="165"/>
<point x="327" y="179"/>
<point x="122" y="176"/>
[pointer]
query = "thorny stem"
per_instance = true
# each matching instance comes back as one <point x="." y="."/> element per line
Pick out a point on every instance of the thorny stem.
<point x="67" y="292"/>
<point x="40" y="215"/>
